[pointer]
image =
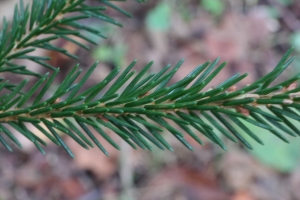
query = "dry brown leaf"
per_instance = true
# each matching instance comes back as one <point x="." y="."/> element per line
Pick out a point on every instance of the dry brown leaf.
<point x="94" y="159"/>
<point x="184" y="183"/>
<point x="242" y="195"/>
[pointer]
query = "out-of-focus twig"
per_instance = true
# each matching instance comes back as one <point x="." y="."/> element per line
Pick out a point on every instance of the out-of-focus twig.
<point x="288" y="17"/>
<point x="126" y="172"/>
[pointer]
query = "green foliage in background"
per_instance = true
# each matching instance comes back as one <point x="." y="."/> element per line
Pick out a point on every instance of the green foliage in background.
<point x="138" y="106"/>
<point x="159" y="18"/>
<point x="295" y="40"/>
<point x="286" y="2"/>
<point x="216" y="7"/>
<point x="115" y="54"/>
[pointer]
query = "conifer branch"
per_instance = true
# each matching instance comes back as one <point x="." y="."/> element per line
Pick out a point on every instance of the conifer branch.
<point x="148" y="103"/>
<point x="138" y="108"/>
<point x="51" y="19"/>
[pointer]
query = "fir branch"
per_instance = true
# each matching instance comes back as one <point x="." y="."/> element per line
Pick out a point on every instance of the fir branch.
<point x="52" y="19"/>
<point x="138" y="108"/>
<point x="148" y="103"/>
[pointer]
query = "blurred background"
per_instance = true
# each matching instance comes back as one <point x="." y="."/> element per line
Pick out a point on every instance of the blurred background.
<point x="251" y="35"/>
